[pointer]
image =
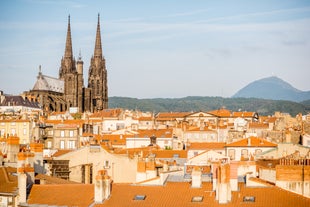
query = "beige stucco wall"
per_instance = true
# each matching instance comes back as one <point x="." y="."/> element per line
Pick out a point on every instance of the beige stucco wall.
<point x="121" y="168"/>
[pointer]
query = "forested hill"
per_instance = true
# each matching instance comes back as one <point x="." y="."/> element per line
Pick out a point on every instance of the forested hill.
<point x="199" y="103"/>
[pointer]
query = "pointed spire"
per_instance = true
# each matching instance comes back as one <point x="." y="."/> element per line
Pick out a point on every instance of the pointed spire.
<point x="68" y="49"/>
<point x="98" y="48"/>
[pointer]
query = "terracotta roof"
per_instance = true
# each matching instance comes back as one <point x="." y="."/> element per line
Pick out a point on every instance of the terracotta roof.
<point x="181" y="194"/>
<point x="206" y="145"/>
<point x="61" y="152"/>
<point x="254" y="142"/>
<point x="258" y="125"/>
<point x="221" y="112"/>
<point x="145" y="118"/>
<point x="53" y="180"/>
<point x="115" y="139"/>
<point x="165" y="116"/>
<point x="107" y="113"/>
<point x="159" y="133"/>
<point x="80" y="195"/>
<point x="8" y="182"/>
<point x="153" y="150"/>
<point x="248" y="114"/>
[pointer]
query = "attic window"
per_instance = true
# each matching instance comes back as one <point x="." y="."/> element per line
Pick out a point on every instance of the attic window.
<point x="197" y="199"/>
<point x="249" y="199"/>
<point x="139" y="197"/>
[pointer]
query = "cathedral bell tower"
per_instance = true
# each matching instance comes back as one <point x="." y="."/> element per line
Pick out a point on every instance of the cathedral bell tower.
<point x="97" y="76"/>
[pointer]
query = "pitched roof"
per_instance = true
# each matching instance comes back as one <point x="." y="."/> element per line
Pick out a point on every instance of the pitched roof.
<point x="181" y="194"/>
<point x="206" y="145"/>
<point x="19" y="101"/>
<point x="159" y="133"/>
<point x="81" y="195"/>
<point x="166" y="116"/>
<point x="252" y="142"/>
<point x="53" y="180"/>
<point x="8" y="180"/>
<point x="222" y="112"/>
<point x="46" y="83"/>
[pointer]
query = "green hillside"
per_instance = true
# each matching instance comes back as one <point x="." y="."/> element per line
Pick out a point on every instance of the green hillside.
<point x="198" y="103"/>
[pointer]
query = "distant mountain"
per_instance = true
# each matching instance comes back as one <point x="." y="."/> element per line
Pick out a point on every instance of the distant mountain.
<point x="272" y="88"/>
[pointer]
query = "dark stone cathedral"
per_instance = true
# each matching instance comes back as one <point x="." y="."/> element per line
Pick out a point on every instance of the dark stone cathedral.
<point x="68" y="91"/>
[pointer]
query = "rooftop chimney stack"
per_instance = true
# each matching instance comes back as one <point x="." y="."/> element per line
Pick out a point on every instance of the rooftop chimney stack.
<point x="102" y="186"/>
<point x="223" y="189"/>
<point x="196" y="178"/>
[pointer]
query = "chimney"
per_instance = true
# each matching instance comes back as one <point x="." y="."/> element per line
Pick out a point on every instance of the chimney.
<point x="22" y="188"/>
<point x="37" y="149"/>
<point x="223" y="189"/>
<point x="13" y="148"/>
<point x="196" y="177"/>
<point x="102" y="186"/>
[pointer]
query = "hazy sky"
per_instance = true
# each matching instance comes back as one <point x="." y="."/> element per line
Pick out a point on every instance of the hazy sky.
<point x="159" y="48"/>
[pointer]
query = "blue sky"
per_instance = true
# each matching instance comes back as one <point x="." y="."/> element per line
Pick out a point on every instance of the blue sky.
<point x="162" y="48"/>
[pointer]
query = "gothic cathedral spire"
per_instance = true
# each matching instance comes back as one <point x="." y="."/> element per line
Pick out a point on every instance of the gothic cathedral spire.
<point x="68" y="49"/>
<point x="98" y="47"/>
<point x="97" y="75"/>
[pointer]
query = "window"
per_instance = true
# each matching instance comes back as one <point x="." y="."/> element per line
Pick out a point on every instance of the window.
<point x="49" y="144"/>
<point x="244" y="154"/>
<point x="24" y="131"/>
<point x="249" y="199"/>
<point x="2" y="133"/>
<point x="13" y="123"/>
<point x="71" y="133"/>
<point x="139" y="197"/>
<point x="62" y="133"/>
<point x="258" y="151"/>
<point x="13" y="131"/>
<point x="197" y="198"/>
<point x="231" y="154"/>
<point x="71" y="144"/>
<point x="62" y="144"/>
<point x="106" y="164"/>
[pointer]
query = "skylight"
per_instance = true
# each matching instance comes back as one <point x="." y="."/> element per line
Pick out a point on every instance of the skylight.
<point x="139" y="197"/>
<point x="249" y="199"/>
<point x="197" y="198"/>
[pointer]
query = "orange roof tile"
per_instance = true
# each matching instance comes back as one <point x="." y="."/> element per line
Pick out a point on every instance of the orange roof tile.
<point x="254" y="142"/>
<point x="61" y="152"/>
<point x="248" y="114"/>
<point x="206" y="145"/>
<point x="159" y="133"/>
<point x="8" y="182"/>
<point x="53" y="180"/>
<point x="221" y="112"/>
<point x="81" y="195"/>
<point x="181" y="194"/>
<point x="165" y="116"/>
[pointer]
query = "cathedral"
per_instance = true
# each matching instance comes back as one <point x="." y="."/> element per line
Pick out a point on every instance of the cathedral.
<point x="67" y="92"/>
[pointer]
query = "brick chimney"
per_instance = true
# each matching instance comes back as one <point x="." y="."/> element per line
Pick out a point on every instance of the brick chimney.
<point x="223" y="189"/>
<point x="102" y="186"/>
